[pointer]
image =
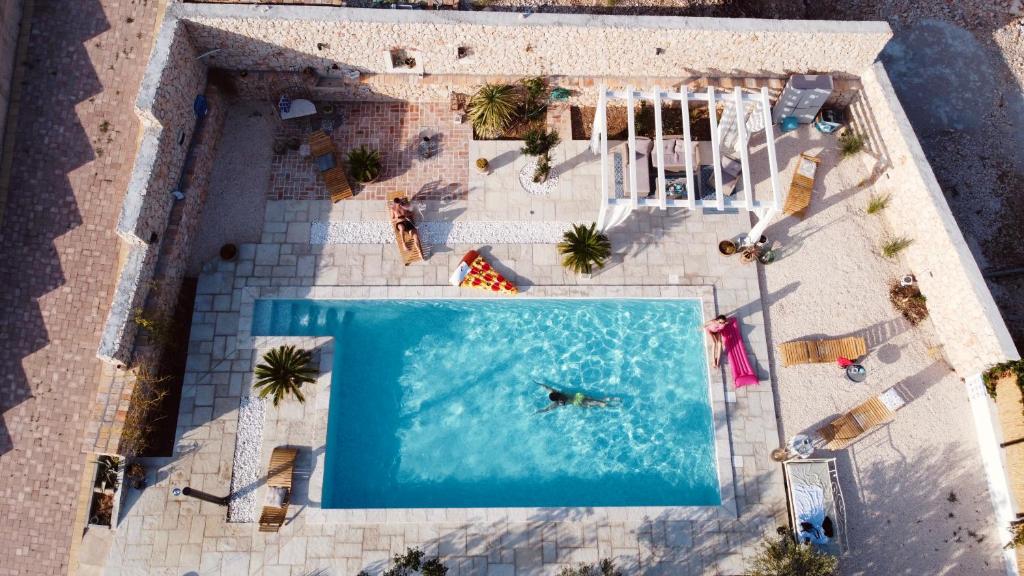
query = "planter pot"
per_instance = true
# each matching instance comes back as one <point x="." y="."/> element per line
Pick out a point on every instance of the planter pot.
<point x="327" y="109"/>
<point x="106" y="499"/>
<point x="228" y="252"/>
<point x="748" y="256"/>
<point x="727" y="247"/>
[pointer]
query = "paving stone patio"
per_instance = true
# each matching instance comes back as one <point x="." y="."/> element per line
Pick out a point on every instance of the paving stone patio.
<point x="657" y="254"/>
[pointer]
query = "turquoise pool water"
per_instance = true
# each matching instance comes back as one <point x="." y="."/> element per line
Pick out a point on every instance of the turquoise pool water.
<point x="434" y="402"/>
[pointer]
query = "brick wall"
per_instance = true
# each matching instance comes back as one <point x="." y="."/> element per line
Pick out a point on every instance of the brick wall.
<point x="960" y="305"/>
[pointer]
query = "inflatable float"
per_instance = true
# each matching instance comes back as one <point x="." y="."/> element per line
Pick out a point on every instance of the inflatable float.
<point x="475" y="272"/>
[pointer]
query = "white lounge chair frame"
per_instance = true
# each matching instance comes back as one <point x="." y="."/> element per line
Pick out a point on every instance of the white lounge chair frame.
<point x="838" y="503"/>
<point x="741" y="101"/>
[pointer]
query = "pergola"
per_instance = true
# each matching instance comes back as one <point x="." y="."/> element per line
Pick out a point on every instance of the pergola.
<point x="743" y="114"/>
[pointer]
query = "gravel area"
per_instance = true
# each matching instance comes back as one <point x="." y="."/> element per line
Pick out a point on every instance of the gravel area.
<point x="245" y="467"/>
<point x="917" y="501"/>
<point x="233" y="212"/>
<point x="437" y="233"/>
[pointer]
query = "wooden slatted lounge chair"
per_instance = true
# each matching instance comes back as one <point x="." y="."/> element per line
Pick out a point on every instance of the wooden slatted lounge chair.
<point x="819" y="351"/>
<point x="860" y="420"/>
<point x="325" y="157"/>
<point x="409" y="248"/>
<point x="279" y="488"/>
<point x="802" y="186"/>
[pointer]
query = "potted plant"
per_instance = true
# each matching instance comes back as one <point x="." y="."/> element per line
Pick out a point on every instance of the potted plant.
<point x="584" y="247"/>
<point x="482" y="165"/>
<point x="781" y="556"/>
<point x="364" y="164"/>
<point x="228" y="252"/>
<point x="539" y="142"/>
<point x="283" y="372"/>
<point x="727" y="247"/>
<point x="106" y="482"/>
<point x="491" y="109"/>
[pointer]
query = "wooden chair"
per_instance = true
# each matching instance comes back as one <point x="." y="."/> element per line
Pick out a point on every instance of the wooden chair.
<point x="860" y="420"/>
<point x="410" y="248"/>
<point x="279" y="477"/>
<point x="819" y="351"/>
<point x="802" y="186"/>
<point x="335" y="179"/>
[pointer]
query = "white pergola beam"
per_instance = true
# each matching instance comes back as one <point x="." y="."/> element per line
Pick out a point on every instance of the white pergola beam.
<point x="602" y="128"/>
<point x="716" y="153"/>
<point x="659" y="150"/>
<point x="741" y="131"/>
<point x="691" y="188"/>
<point x="769" y="136"/>
<point x="631" y="146"/>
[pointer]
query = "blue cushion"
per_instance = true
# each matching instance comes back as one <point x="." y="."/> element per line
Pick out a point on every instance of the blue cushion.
<point x="325" y="162"/>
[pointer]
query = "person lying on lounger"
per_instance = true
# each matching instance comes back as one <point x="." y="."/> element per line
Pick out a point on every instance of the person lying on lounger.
<point x="402" y="218"/>
<point x="714" y="328"/>
<point x="559" y="399"/>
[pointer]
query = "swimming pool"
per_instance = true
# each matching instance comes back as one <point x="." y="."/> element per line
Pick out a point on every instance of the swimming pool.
<point x="434" y="402"/>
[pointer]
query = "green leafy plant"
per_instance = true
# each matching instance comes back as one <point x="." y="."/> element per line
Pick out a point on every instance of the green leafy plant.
<point x="995" y="372"/>
<point x="784" y="557"/>
<point x="603" y="568"/>
<point x="877" y="203"/>
<point x="584" y="247"/>
<point x="539" y="141"/>
<point x="284" y="370"/>
<point x="850" y="143"/>
<point x="364" y="164"/>
<point x="536" y="89"/>
<point x="412" y="562"/>
<point x="543" y="169"/>
<point x="482" y="164"/>
<point x="894" y="246"/>
<point x="491" y="109"/>
<point x="159" y="328"/>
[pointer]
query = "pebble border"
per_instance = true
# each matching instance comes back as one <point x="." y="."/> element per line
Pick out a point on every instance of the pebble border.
<point x="245" y="466"/>
<point x="439" y="232"/>
<point x="542" y="189"/>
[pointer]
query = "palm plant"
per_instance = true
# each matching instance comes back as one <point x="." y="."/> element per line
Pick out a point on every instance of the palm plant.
<point x="491" y="109"/>
<point x="284" y="370"/>
<point x="784" y="557"/>
<point x="584" y="247"/>
<point x="364" y="164"/>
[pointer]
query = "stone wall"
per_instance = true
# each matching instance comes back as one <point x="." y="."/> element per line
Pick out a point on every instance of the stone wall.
<point x="10" y="19"/>
<point x="960" y="305"/>
<point x="611" y="49"/>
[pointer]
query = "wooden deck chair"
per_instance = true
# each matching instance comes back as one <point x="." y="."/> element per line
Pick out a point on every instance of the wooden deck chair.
<point x="279" y="488"/>
<point x="409" y="248"/>
<point x="802" y="186"/>
<point x="321" y="147"/>
<point x="860" y="420"/>
<point x="819" y="351"/>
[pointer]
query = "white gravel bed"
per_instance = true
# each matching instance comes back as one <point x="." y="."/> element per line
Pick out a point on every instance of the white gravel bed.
<point x="245" y="470"/>
<point x="437" y="233"/>
<point x="534" y="188"/>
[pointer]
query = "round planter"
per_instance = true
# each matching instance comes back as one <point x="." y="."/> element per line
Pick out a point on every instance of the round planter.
<point x="228" y="252"/>
<point x="727" y="247"/>
<point x="748" y="256"/>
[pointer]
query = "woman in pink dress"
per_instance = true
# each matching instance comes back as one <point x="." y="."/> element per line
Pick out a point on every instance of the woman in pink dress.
<point x="714" y="327"/>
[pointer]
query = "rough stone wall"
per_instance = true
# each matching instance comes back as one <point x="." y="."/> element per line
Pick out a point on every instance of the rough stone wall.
<point x="959" y="303"/>
<point x="291" y="38"/>
<point x="164" y="105"/>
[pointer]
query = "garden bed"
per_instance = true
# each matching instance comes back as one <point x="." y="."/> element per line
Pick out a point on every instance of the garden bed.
<point x="519" y="127"/>
<point x="618" y="122"/>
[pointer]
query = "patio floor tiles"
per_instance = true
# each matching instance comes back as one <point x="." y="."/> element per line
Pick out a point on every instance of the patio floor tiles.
<point x="394" y="129"/>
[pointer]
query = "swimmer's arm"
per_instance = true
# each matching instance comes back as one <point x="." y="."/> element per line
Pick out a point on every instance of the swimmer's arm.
<point x="550" y="407"/>
<point x="546" y="386"/>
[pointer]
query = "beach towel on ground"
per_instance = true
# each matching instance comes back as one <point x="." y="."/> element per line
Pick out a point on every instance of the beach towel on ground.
<point x="809" y="501"/>
<point x="743" y="374"/>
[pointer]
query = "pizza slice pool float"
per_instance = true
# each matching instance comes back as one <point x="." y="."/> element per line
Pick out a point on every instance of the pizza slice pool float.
<point x="475" y="272"/>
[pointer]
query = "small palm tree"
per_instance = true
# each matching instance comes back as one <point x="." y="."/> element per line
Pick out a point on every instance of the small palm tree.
<point x="584" y="247"/>
<point x="491" y="109"/>
<point x="284" y="370"/>
<point x="364" y="164"/>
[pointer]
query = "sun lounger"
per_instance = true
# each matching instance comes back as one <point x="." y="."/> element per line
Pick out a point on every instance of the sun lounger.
<point x="819" y="351"/>
<point x="849" y="427"/>
<point x="814" y="495"/>
<point x="325" y="157"/>
<point x="732" y="342"/>
<point x="279" y="488"/>
<point x="802" y="186"/>
<point x="409" y="247"/>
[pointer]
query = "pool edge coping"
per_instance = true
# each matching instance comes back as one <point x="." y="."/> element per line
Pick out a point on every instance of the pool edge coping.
<point x="718" y="397"/>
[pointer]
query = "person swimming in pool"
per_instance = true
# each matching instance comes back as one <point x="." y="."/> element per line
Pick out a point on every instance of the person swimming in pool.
<point x="559" y="399"/>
